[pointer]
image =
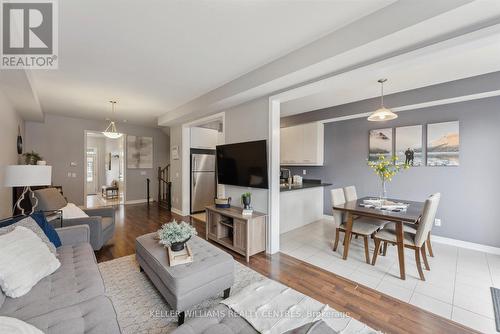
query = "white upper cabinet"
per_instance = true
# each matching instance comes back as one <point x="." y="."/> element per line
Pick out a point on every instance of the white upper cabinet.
<point x="204" y="138"/>
<point x="302" y="145"/>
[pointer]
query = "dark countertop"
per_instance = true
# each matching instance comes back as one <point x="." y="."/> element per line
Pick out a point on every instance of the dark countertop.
<point x="305" y="185"/>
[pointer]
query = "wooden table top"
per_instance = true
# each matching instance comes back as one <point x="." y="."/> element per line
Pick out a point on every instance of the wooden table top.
<point x="410" y="215"/>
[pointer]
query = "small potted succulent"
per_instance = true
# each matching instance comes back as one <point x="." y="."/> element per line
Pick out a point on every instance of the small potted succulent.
<point x="175" y="235"/>
<point x="246" y="199"/>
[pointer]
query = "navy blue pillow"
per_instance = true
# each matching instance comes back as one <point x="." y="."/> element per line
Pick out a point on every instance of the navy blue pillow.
<point x="49" y="231"/>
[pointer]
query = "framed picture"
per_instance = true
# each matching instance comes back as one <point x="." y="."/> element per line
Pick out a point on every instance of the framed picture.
<point x="139" y="152"/>
<point x="409" y="146"/>
<point x="443" y="144"/>
<point x="380" y="143"/>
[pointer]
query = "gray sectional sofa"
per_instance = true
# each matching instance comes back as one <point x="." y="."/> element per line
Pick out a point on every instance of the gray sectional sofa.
<point x="71" y="300"/>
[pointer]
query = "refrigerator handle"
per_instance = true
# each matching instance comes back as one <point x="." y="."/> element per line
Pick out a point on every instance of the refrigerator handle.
<point x="194" y="180"/>
<point x="194" y="163"/>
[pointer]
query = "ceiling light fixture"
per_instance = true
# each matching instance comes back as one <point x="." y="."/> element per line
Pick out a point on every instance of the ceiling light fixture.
<point x="110" y="131"/>
<point x="382" y="113"/>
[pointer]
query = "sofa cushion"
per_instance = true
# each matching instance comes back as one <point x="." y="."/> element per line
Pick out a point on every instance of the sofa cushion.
<point x="94" y="316"/>
<point x="77" y="280"/>
<point x="32" y="225"/>
<point x="24" y="261"/>
<point x="50" y="199"/>
<point x="107" y="222"/>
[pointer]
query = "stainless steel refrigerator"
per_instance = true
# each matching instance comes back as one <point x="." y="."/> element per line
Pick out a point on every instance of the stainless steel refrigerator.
<point x="203" y="182"/>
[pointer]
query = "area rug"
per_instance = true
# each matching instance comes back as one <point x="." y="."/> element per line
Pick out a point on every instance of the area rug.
<point x="139" y="306"/>
<point x="495" y="294"/>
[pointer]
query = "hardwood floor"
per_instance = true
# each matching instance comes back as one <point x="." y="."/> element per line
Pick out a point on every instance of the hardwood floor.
<point x="379" y="311"/>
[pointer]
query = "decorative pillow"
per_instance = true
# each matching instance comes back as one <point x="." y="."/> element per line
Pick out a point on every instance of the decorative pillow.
<point x="48" y="229"/>
<point x="71" y="211"/>
<point x="16" y="326"/>
<point x="24" y="261"/>
<point x="49" y="199"/>
<point x="30" y="224"/>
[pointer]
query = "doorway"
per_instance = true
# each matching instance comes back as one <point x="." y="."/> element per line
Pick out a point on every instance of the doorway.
<point x="105" y="171"/>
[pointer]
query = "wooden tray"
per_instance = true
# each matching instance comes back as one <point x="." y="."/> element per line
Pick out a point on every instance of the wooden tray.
<point x="181" y="257"/>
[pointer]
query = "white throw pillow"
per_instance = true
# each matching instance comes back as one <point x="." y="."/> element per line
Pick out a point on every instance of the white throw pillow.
<point x="71" y="211"/>
<point x="16" y="326"/>
<point x="24" y="261"/>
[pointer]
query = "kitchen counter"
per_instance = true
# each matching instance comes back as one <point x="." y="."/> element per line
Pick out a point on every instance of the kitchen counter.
<point x="304" y="185"/>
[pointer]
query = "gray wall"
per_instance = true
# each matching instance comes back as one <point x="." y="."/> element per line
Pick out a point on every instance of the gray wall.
<point x="60" y="140"/>
<point x="469" y="192"/>
<point x="8" y="150"/>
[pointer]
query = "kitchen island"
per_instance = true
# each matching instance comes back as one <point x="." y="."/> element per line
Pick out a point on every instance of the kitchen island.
<point x="301" y="205"/>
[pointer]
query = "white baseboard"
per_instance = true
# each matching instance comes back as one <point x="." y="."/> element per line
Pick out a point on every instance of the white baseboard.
<point x="139" y="201"/>
<point x="454" y="242"/>
<point x="465" y="244"/>
<point x="176" y="211"/>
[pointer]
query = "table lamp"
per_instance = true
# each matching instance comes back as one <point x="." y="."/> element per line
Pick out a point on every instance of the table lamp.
<point x="27" y="176"/>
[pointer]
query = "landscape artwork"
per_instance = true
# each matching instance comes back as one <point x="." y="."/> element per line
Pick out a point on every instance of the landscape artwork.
<point x="139" y="152"/>
<point x="409" y="145"/>
<point x="443" y="144"/>
<point x="380" y="143"/>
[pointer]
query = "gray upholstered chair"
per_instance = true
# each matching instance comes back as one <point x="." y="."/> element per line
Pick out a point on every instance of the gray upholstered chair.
<point x="363" y="227"/>
<point x="415" y="241"/>
<point x="101" y="221"/>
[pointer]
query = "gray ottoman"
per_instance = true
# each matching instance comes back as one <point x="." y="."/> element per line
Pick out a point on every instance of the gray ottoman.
<point x="186" y="285"/>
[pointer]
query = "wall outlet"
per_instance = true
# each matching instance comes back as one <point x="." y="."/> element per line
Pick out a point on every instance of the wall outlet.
<point x="69" y="174"/>
<point x="73" y="175"/>
<point x="144" y="172"/>
<point x="437" y="222"/>
<point x="304" y="172"/>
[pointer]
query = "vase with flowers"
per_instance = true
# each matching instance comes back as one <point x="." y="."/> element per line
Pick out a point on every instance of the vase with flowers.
<point x="386" y="169"/>
<point x="175" y="235"/>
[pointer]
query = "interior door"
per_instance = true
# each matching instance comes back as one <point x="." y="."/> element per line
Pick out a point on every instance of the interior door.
<point x="91" y="171"/>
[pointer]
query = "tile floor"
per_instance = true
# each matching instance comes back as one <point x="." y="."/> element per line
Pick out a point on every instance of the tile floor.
<point x="457" y="287"/>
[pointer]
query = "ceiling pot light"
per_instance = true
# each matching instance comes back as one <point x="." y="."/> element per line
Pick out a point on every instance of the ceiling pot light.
<point x="382" y="113"/>
<point x="111" y="131"/>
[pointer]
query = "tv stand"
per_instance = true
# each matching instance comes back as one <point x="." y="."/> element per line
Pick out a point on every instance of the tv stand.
<point x="245" y="235"/>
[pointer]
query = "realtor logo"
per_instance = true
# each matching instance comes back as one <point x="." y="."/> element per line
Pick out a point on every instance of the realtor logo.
<point x="29" y="34"/>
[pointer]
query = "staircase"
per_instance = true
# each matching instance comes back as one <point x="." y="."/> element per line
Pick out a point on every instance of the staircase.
<point x="164" y="188"/>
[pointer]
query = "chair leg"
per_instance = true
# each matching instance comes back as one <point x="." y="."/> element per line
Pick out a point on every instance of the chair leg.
<point x="385" y="248"/>
<point x="356" y="236"/>
<point x="419" y="264"/>
<point x="428" y="241"/>
<point x="337" y="236"/>
<point x="367" y="253"/>
<point x="424" y="257"/>
<point x="377" y="249"/>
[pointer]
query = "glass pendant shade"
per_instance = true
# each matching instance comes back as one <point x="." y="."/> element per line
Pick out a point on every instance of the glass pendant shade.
<point x="382" y="113"/>
<point x="111" y="131"/>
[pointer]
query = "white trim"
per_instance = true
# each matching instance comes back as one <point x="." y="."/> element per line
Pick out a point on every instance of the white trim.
<point x="465" y="244"/>
<point x="178" y="212"/>
<point x="139" y="201"/>
<point x="328" y="217"/>
<point x="417" y="106"/>
<point x="273" y="224"/>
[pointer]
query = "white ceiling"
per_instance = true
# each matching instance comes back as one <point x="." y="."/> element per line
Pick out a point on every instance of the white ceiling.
<point x="462" y="57"/>
<point x="153" y="56"/>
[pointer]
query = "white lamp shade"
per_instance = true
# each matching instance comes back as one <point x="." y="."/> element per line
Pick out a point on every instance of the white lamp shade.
<point x="382" y="114"/>
<point x="28" y="175"/>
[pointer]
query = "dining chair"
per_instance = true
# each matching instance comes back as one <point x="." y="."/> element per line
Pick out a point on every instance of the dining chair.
<point x="363" y="227"/>
<point x="415" y="241"/>
<point x="410" y="229"/>
<point x="350" y="193"/>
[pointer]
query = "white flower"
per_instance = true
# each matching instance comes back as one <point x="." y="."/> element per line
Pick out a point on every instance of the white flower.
<point x="175" y="232"/>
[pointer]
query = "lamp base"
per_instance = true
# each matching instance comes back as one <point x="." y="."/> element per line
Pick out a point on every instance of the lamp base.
<point x="21" y="198"/>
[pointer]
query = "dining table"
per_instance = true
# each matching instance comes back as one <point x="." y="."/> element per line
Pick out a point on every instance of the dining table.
<point x="357" y="208"/>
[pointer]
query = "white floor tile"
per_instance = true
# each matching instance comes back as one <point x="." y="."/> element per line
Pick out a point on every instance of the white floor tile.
<point x="365" y="279"/>
<point x="439" y="292"/>
<point x="395" y="291"/>
<point x="473" y="320"/>
<point x="479" y="305"/>
<point x="432" y="305"/>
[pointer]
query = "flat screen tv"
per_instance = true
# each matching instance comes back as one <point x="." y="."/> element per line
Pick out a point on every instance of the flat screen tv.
<point x="243" y="164"/>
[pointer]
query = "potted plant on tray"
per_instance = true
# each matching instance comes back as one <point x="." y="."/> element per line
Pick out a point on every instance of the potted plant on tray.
<point x="175" y="235"/>
<point x="246" y="199"/>
<point x="31" y="158"/>
<point x="386" y="169"/>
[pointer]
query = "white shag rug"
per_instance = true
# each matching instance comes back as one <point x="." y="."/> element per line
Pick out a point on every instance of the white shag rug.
<point x="140" y="307"/>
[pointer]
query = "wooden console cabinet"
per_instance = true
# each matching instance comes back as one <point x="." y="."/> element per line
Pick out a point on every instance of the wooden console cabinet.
<point x="245" y="235"/>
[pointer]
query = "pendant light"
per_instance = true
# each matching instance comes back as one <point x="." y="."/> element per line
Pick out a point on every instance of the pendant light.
<point x="382" y="113"/>
<point x="110" y="131"/>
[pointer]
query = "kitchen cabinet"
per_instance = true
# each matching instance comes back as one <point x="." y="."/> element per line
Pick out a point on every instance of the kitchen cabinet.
<point x="302" y="145"/>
